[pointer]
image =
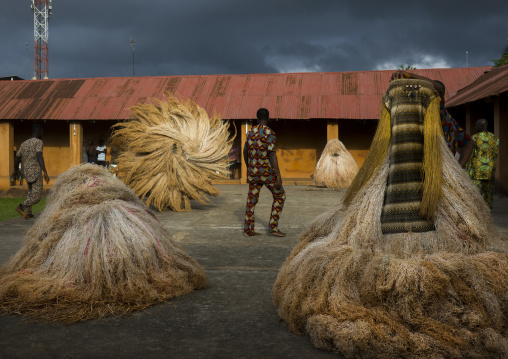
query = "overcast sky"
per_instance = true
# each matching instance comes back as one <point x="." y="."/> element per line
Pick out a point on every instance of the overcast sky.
<point x="90" y="38"/>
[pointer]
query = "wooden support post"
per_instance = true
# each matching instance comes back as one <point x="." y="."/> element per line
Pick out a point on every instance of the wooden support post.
<point x="6" y="153"/>
<point x="243" y="173"/>
<point x="332" y="130"/>
<point x="468" y="118"/>
<point x="75" y="143"/>
<point x="501" y="131"/>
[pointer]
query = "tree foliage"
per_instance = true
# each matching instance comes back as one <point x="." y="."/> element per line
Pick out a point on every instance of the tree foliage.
<point x="503" y="60"/>
<point x="407" y="67"/>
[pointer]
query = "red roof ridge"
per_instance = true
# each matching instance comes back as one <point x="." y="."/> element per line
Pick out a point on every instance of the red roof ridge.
<point x="302" y="95"/>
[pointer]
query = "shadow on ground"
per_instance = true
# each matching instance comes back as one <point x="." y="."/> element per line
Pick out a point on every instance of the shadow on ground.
<point x="234" y="317"/>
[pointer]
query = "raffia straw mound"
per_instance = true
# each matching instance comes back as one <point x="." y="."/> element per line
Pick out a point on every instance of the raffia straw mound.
<point x="171" y="151"/>
<point x="96" y="250"/>
<point x="439" y="294"/>
<point x="336" y="168"/>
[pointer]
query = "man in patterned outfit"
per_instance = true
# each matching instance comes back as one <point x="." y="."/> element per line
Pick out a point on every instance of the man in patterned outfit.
<point x="482" y="165"/>
<point x="30" y="152"/>
<point x="262" y="169"/>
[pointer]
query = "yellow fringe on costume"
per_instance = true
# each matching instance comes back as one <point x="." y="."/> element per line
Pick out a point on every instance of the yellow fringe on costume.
<point x="432" y="160"/>
<point x="374" y="160"/>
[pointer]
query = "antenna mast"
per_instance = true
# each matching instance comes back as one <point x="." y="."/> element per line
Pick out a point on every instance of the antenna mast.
<point x="42" y="10"/>
<point x="132" y="45"/>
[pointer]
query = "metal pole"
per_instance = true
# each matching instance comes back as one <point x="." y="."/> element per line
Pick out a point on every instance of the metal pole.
<point x="467" y="59"/>
<point x="28" y="60"/>
<point x="132" y="45"/>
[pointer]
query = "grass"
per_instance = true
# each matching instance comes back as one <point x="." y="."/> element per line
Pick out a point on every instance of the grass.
<point x="7" y="206"/>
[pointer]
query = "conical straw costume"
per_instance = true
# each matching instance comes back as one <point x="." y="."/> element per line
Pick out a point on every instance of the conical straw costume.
<point x="96" y="250"/>
<point x="336" y="167"/>
<point x="171" y="152"/>
<point x="359" y="287"/>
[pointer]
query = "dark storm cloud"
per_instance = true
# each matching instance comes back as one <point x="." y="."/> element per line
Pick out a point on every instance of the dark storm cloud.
<point x="90" y="39"/>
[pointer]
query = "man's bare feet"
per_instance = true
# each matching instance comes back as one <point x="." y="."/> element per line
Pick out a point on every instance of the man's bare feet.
<point x="251" y="235"/>
<point x="277" y="233"/>
<point x="19" y="209"/>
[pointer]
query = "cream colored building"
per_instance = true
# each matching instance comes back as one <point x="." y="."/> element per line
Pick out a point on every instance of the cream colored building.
<point x="308" y="110"/>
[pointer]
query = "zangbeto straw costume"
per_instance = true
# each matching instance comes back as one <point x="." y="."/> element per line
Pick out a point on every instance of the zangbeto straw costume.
<point x="96" y="250"/>
<point x="171" y="152"/>
<point x="336" y="167"/>
<point x="411" y="266"/>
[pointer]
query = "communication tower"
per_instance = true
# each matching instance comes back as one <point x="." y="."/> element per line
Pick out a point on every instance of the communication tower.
<point x="42" y="10"/>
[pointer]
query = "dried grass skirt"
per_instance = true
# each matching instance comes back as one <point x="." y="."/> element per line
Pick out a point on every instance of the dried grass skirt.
<point x="439" y="294"/>
<point x="96" y="250"/>
<point x="336" y="167"/>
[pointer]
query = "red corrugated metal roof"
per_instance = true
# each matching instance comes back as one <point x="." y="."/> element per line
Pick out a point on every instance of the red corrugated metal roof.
<point x="492" y="83"/>
<point x="339" y="95"/>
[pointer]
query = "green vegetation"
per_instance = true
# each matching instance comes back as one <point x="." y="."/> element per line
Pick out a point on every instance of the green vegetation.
<point x="7" y="206"/>
<point x="407" y="67"/>
<point x="503" y="60"/>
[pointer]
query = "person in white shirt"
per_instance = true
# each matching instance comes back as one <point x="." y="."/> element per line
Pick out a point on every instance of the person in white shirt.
<point x="101" y="153"/>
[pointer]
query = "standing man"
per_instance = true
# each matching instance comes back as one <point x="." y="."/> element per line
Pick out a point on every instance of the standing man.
<point x="482" y="165"/>
<point x="262" y="169"/>
<point x="101" y="153"/>
<point x="30" y="152"/>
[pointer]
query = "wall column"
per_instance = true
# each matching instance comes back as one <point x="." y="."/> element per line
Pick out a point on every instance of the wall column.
<point x="243" y="173"/>
<point x="332" y="130"/>
<point x="6" y="153"/>
<point x="468" y="118"/>
<point x="501" y="131"/>
<point x="75" y="143"/>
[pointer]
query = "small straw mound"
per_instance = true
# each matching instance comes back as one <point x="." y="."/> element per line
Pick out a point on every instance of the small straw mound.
<point x="336" y="168"/>
<point x="96" y="250"/>
<point x="171" y="152"/>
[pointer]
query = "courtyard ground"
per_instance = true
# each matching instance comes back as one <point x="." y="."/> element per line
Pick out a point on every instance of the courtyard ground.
<point x="234" y="317"/>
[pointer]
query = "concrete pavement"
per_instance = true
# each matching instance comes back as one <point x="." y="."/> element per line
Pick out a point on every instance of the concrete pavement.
<point x="234" y="317"/>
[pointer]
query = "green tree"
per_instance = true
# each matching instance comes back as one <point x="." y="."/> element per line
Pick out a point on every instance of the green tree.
<point x="402" y="67"/>
<point x="503" y="60"/>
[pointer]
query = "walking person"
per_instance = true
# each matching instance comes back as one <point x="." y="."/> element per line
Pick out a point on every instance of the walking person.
<point x="30" y="152"/>
<point x="262" y="169"/>
<point x="482" y="165"/>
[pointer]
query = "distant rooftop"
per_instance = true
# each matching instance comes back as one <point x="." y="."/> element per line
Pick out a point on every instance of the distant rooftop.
<point x="296" y="96"/>
<point x="10" y="78"/>
<point x="492" y="83"/>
